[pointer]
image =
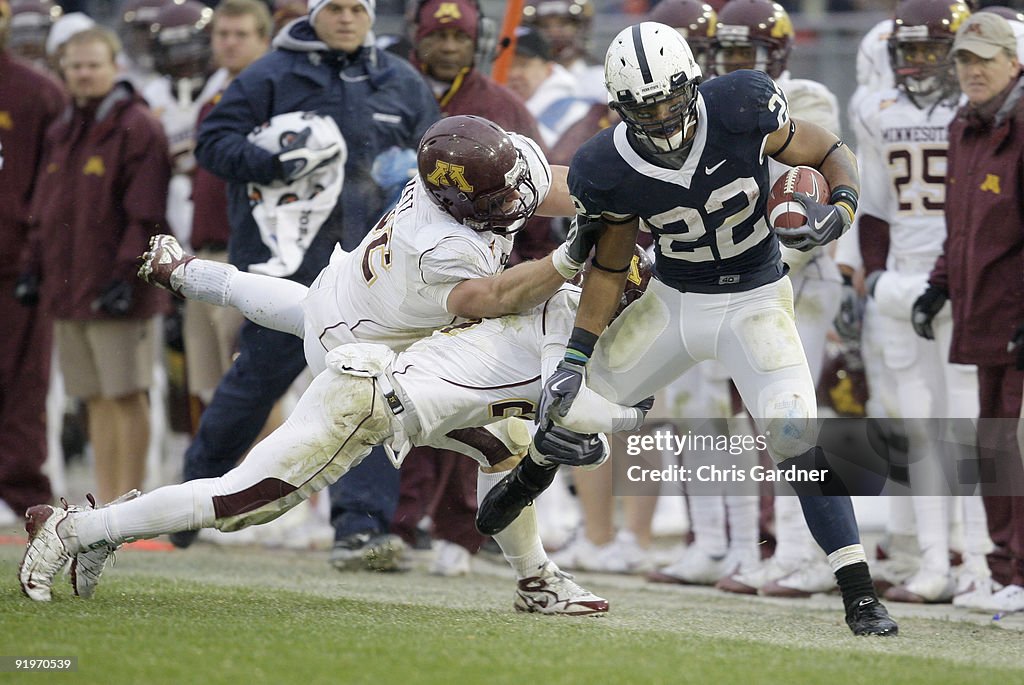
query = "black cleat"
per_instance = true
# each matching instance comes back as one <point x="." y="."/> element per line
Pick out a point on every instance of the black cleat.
<point x="868" y="616"/>
<point x="183" y="539"/>
<point x="512" y="494"/>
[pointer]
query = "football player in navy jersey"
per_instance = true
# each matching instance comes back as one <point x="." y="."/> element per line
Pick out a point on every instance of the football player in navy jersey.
<point x="689" y="163"/>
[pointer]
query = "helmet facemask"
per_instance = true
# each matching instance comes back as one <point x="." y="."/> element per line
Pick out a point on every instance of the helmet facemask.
<point x="923" y="67"/>
<point x="664" y="122"/>
<point x="505" y="211"/>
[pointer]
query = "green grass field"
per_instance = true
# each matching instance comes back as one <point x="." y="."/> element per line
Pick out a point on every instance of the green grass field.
<point x="247" y="615"/>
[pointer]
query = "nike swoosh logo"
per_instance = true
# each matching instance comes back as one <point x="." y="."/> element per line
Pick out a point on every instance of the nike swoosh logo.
<point x="557" y="386"/>
<point x="712" y="169"/>
<point x="819" y="223"/>
<point x="865" y="602"/>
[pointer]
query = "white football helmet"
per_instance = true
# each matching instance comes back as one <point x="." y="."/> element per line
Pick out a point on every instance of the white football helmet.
<point x="652" y="80"/>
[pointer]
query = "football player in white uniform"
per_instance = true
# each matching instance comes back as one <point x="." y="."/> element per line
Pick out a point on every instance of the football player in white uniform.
<point x="903" y="159"/>
<point x="434" y="260"/>
<point x="692" y="163"/>
<point x="469" y="374"/>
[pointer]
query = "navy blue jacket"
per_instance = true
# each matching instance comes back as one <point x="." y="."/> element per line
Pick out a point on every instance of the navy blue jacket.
<point x="377" y="99"/>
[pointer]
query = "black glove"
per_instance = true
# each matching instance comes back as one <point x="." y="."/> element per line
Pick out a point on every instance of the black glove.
<point x="560" y="390"/>
<point x="26" y="289"/>
<point x="116" y="299"/>
<point x="584" y="232"/>
<point x="1017" y="343"/>
<point x="925" y="308"/>
<point x="824" y="224"/>
<point x="563" y="446"/>
<point x="296" y="160"/>
<point x="174" y="327"/>
<point x="851" y="314"/>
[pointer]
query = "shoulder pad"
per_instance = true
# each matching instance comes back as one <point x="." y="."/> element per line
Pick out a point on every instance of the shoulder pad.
<point x="746" y="101"/>
<point x="594" y="173"/>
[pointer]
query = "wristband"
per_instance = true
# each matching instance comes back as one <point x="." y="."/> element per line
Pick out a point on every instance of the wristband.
<point x="567" y="267"/>
<point x="580" y="346"/>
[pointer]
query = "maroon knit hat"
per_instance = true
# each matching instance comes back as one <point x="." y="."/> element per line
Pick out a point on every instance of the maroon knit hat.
<point x="435" y="15"/>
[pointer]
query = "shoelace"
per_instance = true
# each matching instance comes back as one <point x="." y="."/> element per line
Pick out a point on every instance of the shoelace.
<point x="130" y="495"/>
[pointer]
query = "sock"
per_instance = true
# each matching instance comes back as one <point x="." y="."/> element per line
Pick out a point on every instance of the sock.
<point x="793" y="542"/>
<point x="932" y="515"/>
<point x="855" y="583"/>
<point x="520" y="541"/>
<point x="707" y="521"/>
<point x="742" y="511"/>
<point x="207" y="281"/>
<point x="171" y="509"/>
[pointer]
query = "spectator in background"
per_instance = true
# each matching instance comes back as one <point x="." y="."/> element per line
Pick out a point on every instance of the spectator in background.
<point x="324" y="63"/>
<point x="547" y="88"/>
<point x="181" y="57"/>
<point x="27" y="340"/>
<point x="566" y="26"/>
<point x="100" y="196"/>
<point x="240" y="36"/>
<point x="979" y="272"/>
<point x="62" y="29"/>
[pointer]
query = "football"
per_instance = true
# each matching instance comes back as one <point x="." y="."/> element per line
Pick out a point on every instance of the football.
<point x="783" y="210"/>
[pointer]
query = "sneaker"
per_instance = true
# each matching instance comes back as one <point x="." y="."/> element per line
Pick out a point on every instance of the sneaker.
<point x="513" y="493"/>
<point x="160" y="264"/>
<point x="747" y="580"/>
<point x="868" y="616"/>
<point x="86" y="567"/>
<point x="1008" y="600"/>
<point x="977" y="595"/>
<point x="579" y="555"/>
<point x="924" y="587"/>
<point x="450" y="560"/>
<point x="694" y="567"/>
<point x="810" y="579"/>
<point x="45" y="554"/>
<point x="369" y="551"/>
<point x="554" y="592"/>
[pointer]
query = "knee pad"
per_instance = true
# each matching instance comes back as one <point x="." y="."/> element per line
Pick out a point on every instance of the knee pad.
<point x="791" y="429"/>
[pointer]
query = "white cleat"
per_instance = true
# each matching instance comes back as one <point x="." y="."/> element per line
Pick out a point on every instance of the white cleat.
<point x="694" y="567"/>
<point x="977" y="595"/>
<point x="810" y="579"/>
<point x="450" y="560"/>
<point x="747" y="580"/>
<point x="45" y="554"/>
<point x="924" y="587"/>
<point x="163" y="264"/>
<point x="554" y="592"/>
<point x="86" y="567"/>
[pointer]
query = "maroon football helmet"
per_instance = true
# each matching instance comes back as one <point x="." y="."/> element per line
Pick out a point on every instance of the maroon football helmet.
<point x="1007" y="13"/>
<point x="137" y="16"/>
<point x="181" y="40"/>
<point x="638" y="276"/>
<point x="472" y="170"/>
<point x="696" y="20"/>
<point x="920" y="44"/>
<point x="28" y="27"/>
<point x="752" y="34"/>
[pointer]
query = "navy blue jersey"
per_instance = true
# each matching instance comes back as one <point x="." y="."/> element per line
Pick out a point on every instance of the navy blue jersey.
<point x="708" y="218"/>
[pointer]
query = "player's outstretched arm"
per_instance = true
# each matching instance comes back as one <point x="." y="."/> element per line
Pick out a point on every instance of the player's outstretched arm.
<point x="557" y="203"/>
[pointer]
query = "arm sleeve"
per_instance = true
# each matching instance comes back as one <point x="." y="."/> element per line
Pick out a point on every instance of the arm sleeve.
<point x="448" y="263"/>
<point x="222" y="146"/>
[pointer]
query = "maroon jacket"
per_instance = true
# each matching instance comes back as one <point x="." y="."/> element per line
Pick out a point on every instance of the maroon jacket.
<point x="100" y="196"/>
<point x="475" y="93"/>
<point x="982" y="265"/>
<point x="210" y="227"/>
<point x="29" y="102"/>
